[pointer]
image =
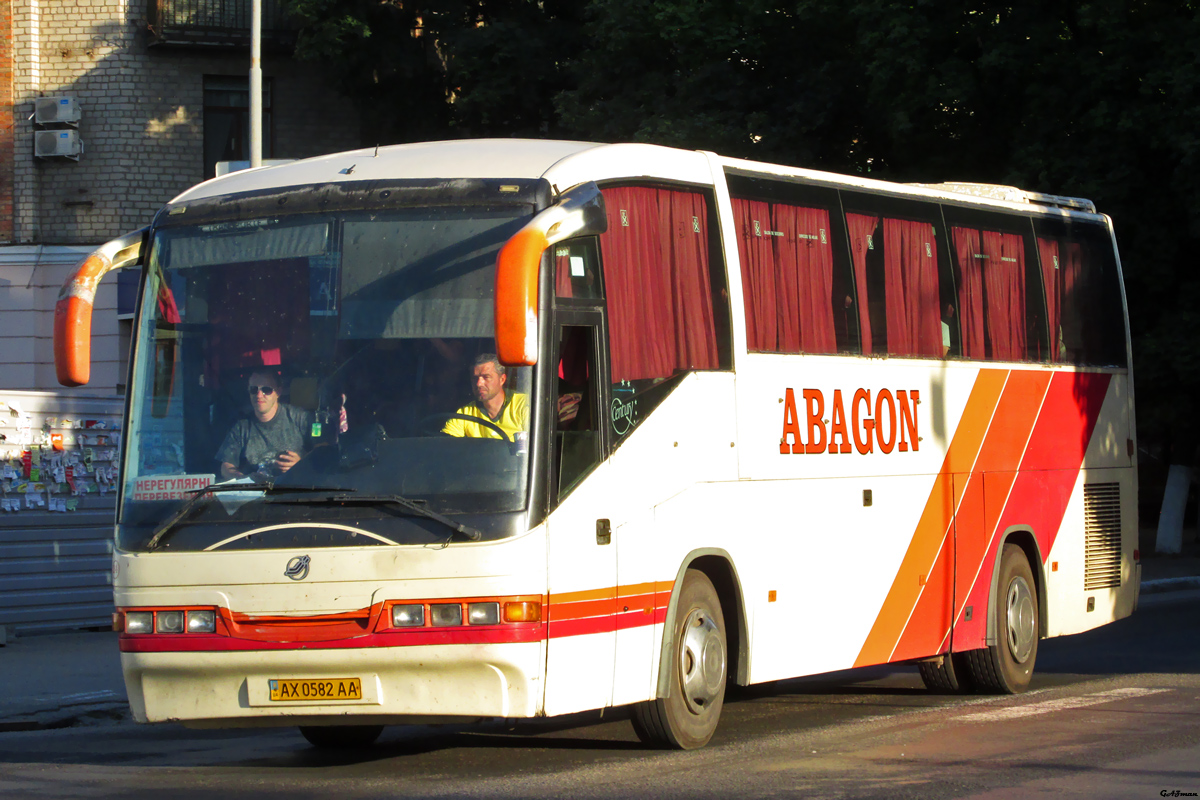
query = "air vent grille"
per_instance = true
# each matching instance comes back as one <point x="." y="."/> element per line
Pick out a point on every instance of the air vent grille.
<point x="1102" y="536"/>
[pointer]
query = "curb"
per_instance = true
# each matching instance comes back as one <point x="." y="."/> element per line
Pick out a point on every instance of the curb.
<point x="1161" y="585"/>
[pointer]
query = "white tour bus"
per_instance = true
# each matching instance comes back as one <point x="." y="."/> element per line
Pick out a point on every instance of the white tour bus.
<point x="746" y="422"/>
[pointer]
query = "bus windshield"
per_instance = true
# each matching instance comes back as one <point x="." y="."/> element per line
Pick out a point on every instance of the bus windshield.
<point x="327" y="361"/>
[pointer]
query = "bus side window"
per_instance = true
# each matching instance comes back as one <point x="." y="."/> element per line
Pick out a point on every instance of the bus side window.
<point x="576" y="427"/>
<point x="898" y="273"/>
<point x="796" y="283"/>
<point x="999" y="291"/>
<point x="1083" y="294"/>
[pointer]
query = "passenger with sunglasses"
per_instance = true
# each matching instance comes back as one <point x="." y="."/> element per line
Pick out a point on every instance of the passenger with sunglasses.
<point x="270" y="443"/>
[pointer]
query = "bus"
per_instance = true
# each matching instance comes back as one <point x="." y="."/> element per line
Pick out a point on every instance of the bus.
<point x="577" y="426"/>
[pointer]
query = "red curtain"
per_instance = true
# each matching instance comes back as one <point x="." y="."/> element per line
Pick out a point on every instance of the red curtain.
<point x="861" y="229"/>
<point x="1004" y="277"/>
<point x="685" y="214"/>
<point x="659" y="294"/>
<point x="168" y="311"/>
<point x="970" y="291"/>
<point x="787" y="277"/>
<point x="757" y="258"/>
<point x="805" y="280"/>
<point x="911" y="288"/>
<point x="991" y="293"/>
<point x="562" y="273"/>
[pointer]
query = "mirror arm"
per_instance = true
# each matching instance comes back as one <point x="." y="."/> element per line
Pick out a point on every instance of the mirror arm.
<point x="581" y="212"/>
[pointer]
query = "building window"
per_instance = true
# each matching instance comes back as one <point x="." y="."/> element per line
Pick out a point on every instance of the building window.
<point x="227" y="120"/>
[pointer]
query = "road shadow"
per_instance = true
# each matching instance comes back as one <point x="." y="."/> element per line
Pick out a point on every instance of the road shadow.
<point x="1162" y="636"/>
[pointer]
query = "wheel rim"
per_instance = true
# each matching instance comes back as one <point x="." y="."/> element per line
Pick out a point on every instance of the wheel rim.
<point x="1022" y="620"/>
<point x="701" y="661"/>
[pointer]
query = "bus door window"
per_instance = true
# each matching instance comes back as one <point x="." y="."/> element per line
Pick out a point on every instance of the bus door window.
<point x="577" y="438"/>
<point x="577" y="270"/>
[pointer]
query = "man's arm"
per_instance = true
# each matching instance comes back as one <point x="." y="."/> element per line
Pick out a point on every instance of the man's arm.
<point x="230" y="453"/>
<point x="455" y="427"/>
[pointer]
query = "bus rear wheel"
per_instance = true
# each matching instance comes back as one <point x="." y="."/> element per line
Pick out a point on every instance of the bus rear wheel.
<point x="947" y="674"/>
<point x="688" y="717"/>
<point x="1007" y="666"/>
<point x="340" y="737"/>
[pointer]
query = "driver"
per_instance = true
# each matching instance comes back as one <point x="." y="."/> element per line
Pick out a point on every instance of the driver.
<point x="509" y="411"/>
<point x="273" y="440"/>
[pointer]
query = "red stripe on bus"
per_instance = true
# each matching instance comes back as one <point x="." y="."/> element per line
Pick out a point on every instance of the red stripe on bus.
<point x="343" y="630"/>
<point x="1040" y="492"/>
<point x="197" y="643"/>
<point x="966" y="540"/>
<point x="926" y="541"/>
<point x="558" y="612"/>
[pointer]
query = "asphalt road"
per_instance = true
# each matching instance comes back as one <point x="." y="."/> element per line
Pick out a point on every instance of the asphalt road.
<point x="1111" y="713"/>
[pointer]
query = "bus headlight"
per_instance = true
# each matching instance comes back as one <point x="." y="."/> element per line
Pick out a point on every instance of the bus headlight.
<point x="201" y="620"/>
<point x="408" y="616"/>
<point x="139" y="622"/>
<point x="445" y="615"/>
<point x="483" y="613"/>
<point x="168" y="622"/>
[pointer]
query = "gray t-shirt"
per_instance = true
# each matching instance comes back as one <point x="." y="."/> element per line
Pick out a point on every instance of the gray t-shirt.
<point x="251" y="445"/>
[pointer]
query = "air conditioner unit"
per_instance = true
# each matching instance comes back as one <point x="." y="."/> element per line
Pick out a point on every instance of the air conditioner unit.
<point x="57" y="144"/>
<point x="53" y="110"/>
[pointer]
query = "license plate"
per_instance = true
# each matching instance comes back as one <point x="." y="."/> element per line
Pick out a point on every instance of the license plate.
<point x="316" y="690"/>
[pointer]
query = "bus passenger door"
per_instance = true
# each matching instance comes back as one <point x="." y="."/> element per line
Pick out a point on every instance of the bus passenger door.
<point x="582" y="558"/>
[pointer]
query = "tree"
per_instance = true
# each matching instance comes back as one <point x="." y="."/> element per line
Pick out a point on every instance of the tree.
<point x="1095" y="99"/>
<point x="504" y="63"/>
<point x="439" y="68"/>
<point x="380" y="54"/>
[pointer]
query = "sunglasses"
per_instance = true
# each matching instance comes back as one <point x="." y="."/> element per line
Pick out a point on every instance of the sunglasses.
<point x="266" y="390"/>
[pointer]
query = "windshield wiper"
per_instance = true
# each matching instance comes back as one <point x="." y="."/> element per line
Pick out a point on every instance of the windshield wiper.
<point x="412" y="506"/>
<point x="198" y="494"/>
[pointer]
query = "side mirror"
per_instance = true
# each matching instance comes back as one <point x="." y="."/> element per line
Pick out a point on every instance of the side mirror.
<point x="580" y="212"/>
<point x="73" y="311"/>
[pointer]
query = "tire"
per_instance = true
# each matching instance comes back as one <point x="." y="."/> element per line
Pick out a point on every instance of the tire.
<point x="340" y="737"/>
<point x="687" y="718"/>
<point x="947" y="674"/>
<point x="1007" y="666"/>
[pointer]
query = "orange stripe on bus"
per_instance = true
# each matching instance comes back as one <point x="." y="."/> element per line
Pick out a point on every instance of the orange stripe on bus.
<point x="935" y="519"/>
<point x="606" y="593"/>
<point x="966" y="543"/>
<point x="581" y="610"/>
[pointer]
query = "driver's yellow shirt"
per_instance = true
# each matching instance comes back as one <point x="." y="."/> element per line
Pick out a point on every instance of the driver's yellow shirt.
<point x="513" y="417"/>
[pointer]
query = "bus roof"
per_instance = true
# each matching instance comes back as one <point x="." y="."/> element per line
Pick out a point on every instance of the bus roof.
<point x="565" y="164"/>
<point x="460" y="158"/>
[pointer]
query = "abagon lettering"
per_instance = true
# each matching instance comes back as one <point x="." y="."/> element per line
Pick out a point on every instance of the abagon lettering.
<point x="889" y="423"/>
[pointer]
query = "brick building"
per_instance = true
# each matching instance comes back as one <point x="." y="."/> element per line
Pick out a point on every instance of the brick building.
<point x="161" y="89"/>
<point x="162" y="92"/>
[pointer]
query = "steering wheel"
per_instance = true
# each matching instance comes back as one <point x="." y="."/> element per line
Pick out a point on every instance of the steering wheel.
<point x="443" y="418"/>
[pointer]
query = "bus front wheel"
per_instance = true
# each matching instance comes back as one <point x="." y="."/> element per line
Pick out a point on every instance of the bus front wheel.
<point x="1007" y="666"/>
<point x="340" y="737"/>
<point x="687" y="718"/>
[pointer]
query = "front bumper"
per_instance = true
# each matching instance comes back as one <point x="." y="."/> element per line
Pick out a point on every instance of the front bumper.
<point x="400" y="684"/>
